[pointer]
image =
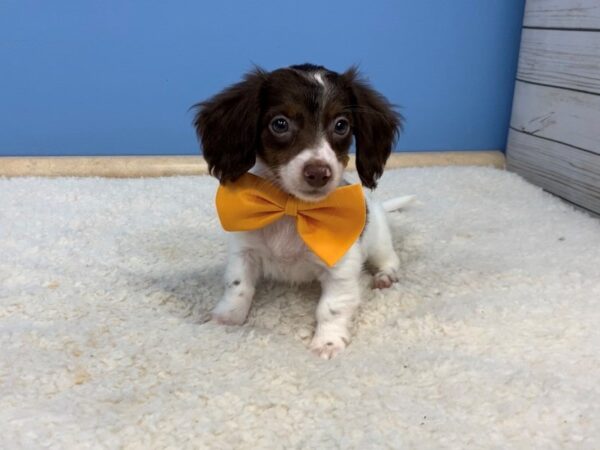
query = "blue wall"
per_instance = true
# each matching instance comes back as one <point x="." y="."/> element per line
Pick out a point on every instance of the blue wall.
<point x="118" y="76"/>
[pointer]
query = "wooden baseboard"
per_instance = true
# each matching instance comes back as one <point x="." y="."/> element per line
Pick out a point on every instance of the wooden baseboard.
<point x="162" y="166"/>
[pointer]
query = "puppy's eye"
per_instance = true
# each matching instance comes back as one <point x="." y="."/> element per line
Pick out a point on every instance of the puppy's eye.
<point x="280" y="125"/>
<point x="341" y="127"/>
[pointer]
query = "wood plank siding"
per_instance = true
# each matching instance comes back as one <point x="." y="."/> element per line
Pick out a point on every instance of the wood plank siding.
<point x="554" y="137"/>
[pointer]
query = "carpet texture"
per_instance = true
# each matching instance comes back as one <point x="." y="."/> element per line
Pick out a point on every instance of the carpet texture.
<point x="490" y="340"/>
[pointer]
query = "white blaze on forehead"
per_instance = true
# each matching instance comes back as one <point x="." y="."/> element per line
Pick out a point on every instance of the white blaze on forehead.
<point x="319" y="77"/>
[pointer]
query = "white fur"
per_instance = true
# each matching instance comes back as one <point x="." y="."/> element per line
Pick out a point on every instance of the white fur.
<point x="396" y="203"/>
<point x="278" y="252"/>
<point x="292" y="177"/>
<point x="319" y="77"/>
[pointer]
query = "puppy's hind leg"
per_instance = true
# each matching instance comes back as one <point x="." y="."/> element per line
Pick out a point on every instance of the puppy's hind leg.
<point x="380" y="250"/>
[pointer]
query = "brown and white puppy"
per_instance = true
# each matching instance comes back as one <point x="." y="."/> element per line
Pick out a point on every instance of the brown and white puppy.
<point x="294" y="126"/>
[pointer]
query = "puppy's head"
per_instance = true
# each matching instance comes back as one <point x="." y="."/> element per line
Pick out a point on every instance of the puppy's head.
<point x="300" y="122"/>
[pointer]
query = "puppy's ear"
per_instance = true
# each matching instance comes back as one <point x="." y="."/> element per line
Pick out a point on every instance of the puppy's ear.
<point x="227" y="126"/>
<point x="376" y="127"/>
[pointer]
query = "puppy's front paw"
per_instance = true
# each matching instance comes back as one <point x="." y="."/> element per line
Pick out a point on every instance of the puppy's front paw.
<point x="328" y="345"/>
<point x="384" y="279"/>
<point x="227" y="314"/>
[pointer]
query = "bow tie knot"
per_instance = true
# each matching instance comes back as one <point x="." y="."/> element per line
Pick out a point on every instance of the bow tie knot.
<point x="291" y="207"/>
<point x="328" y="227"/>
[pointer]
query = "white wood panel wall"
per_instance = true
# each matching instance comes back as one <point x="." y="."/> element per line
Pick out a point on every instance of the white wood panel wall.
<point x="562" y="14"/>
<point x="554" y="136"/>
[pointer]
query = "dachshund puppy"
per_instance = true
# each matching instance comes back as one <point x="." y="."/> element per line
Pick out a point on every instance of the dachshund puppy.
<point x="294" y="128"/>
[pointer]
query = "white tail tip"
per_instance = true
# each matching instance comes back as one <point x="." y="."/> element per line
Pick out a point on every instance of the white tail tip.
<point x="394" y="204"/>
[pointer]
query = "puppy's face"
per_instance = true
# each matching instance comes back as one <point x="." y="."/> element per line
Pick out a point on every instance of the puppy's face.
<point x="305" y="131"/>
<point x="300" y="122"/>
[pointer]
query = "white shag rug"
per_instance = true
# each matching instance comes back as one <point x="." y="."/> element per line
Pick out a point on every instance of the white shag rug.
<point x="490" y="340"/>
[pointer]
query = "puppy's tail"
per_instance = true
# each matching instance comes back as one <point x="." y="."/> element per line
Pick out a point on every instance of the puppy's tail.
<point x="396" y="203"/>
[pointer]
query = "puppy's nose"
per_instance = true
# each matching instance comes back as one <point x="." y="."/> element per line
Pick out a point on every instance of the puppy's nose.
<point x="317" y="174"/>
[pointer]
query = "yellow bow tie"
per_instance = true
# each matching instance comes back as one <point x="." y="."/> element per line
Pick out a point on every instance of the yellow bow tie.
<point x="329" y="227"/>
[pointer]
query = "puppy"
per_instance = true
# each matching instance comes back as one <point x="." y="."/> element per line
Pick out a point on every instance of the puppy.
<point x="294" y="127"/>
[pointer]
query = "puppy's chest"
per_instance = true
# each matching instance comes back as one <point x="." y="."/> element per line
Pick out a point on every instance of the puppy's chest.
<point x="284" y="256"/>
<point x="281" y="241"/>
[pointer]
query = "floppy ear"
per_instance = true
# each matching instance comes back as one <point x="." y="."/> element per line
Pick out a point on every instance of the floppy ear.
<point x="227" y="126"/>
<point x="376" y="127"/>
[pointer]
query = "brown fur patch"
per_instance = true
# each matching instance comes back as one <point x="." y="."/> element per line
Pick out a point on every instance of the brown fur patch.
<point x="235" y="125"/>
